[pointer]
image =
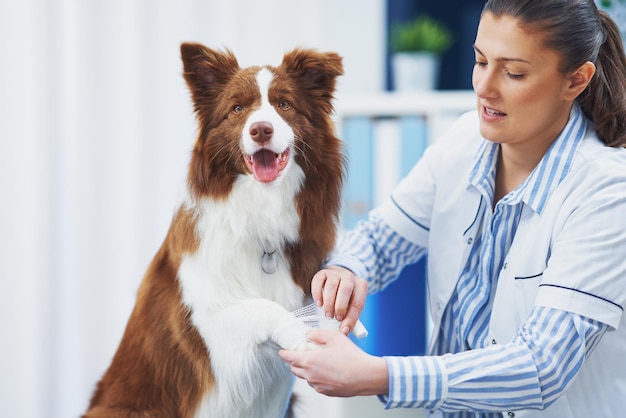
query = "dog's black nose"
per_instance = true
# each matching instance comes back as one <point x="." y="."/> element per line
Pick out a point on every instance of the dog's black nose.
<point x="261" y="132"/>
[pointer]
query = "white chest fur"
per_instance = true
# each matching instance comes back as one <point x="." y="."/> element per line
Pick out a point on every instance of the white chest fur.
<point x="236" y="305"/>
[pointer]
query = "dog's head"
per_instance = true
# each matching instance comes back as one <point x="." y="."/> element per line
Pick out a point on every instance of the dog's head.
<point x="259" y="121"/>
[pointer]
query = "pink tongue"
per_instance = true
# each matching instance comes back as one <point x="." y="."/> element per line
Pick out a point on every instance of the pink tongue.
<point x="264" y="166"/>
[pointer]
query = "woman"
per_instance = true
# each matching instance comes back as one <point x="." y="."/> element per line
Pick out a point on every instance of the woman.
<point x="520" y="209"/>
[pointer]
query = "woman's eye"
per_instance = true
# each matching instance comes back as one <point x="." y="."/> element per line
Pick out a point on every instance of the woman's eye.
<point x="480" y="64"/>
<point x="237" y="109"/>
<point x="284" y="105"/>
<point x="514" y="76"/>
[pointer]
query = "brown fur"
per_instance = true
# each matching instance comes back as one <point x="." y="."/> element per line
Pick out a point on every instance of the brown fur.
<point x="162" y="367"/>
<point x="161" y="364"/>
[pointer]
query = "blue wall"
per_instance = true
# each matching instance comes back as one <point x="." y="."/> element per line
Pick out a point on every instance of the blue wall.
<point x="396" y="316"/>
<point x="461" y="17"/>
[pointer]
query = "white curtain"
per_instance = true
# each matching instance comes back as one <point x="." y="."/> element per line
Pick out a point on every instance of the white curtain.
<point x="95" y="132"/>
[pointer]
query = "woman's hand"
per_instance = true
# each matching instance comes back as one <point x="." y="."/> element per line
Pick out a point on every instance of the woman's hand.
<point x="339" y="367"/>
<point x="341" y="293"/>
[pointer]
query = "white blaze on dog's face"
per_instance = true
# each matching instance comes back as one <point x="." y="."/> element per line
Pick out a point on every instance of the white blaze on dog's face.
<point x="267" y="140"/>
<point x="260" y="122"/>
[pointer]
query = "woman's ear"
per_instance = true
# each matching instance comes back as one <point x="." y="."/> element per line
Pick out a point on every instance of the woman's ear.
<point x="579" y="79"/>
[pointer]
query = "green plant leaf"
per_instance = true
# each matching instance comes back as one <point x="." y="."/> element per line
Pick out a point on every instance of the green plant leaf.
<point x="421" y="34"/>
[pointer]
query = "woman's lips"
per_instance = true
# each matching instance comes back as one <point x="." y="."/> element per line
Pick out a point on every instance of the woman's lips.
<point x="491" y="114"/>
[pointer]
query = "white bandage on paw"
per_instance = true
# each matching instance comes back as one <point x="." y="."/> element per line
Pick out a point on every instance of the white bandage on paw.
<point x="313" y="317"/>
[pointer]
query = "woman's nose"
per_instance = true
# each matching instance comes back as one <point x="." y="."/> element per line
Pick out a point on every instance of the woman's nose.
<point x="484" y="82"/>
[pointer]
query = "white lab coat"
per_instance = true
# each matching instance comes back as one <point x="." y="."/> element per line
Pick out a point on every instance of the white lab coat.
<point x="571" y="257"/>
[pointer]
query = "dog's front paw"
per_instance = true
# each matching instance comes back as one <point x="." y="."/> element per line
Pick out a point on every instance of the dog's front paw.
<point x="291" y="334"/>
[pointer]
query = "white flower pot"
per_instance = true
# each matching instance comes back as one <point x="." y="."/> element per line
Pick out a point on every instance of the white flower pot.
<point x="415" y="71"/>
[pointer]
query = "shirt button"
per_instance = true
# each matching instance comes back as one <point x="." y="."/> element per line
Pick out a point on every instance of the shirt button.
<point x="504" y="266"/>
<point x="493" y="342"/>
<point x="511" y="414"/>
<point x="470" y="240"/>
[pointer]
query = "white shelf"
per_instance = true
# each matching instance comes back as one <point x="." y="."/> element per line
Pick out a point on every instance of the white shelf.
<point x="402" y="104"/>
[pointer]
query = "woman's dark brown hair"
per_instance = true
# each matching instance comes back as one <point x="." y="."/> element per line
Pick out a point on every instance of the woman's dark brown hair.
<point x="580" y="33"/>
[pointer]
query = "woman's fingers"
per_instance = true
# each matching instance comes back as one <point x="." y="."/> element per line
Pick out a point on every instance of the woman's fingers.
<point x="329" y="293"/>
<point x="341" y="293"/>
<point x="339" y="368"/>
<point x="317" y="287"/>
<point x="357" y="302"/>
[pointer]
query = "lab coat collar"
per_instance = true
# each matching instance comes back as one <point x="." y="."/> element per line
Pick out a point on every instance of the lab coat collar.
<point x="551" y="170"/>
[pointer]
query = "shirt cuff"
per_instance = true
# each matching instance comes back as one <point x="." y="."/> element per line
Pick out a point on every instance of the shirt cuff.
<point x="351" y="263"/>
<point x="416" y="382"/>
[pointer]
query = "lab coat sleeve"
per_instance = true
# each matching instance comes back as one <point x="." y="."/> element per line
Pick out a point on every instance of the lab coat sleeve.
<point x="586" y="271"/>
<point x="530" y="372"/>
<point x="375" y="252"/>
<point x="410" y="208"/>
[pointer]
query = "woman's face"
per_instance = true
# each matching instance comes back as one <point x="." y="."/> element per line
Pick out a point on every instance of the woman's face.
<point x="522" y="95"/>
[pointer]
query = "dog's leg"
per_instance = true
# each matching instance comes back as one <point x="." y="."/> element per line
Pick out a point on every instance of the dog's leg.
<point x="262" y="319"/>
<point x="290" y="333"/>
<point x="243" y="339"/>
<point x="274" y="323"/>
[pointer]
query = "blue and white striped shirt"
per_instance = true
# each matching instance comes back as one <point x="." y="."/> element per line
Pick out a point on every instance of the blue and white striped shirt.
<point x="471" y="373"/>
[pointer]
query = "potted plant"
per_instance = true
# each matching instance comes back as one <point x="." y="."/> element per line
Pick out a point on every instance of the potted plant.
<point x="416" y="48"/>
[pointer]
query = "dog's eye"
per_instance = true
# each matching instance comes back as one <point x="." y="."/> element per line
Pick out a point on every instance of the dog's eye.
<point x="237" y="109"/>
<point x="284" y="105"/>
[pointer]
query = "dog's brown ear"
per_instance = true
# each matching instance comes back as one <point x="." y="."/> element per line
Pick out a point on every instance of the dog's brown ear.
<point x="314" y="70"/>
<point x="205" y="69"/>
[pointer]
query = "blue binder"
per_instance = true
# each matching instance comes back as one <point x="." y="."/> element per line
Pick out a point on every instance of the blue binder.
<point x="395" y="317"/>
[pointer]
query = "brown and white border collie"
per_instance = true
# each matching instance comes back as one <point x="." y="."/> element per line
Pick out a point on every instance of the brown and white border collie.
<point x="257" y="222"/>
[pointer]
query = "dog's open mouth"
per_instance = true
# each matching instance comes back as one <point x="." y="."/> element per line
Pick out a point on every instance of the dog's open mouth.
<point x="266" y="165"/>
